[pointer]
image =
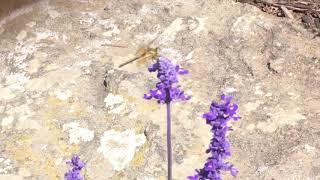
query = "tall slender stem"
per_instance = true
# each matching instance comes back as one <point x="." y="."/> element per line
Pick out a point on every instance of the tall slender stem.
<point x="169" y="149"/>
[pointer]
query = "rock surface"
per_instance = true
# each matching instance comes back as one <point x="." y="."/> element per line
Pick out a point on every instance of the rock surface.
<point x="55" y="57"/>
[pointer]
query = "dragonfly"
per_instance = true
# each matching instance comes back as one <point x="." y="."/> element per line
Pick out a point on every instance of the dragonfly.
<point x="144" y="54"/>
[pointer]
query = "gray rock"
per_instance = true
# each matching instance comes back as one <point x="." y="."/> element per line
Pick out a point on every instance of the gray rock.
<point x="63" y="69"/>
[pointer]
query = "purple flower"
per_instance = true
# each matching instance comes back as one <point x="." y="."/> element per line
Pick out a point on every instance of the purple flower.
<point x="75" y="173"/>
<point x="219" y="147"/>
<point x="167" y="89"/>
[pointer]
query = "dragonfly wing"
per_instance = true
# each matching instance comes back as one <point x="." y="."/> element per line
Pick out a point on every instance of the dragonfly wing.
<point x="141" y="51"/>
<point x="143" y="60"/>
<point x="130" y="61"/>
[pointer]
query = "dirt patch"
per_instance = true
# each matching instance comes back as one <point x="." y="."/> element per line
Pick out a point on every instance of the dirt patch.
<point x="304" y="11"/>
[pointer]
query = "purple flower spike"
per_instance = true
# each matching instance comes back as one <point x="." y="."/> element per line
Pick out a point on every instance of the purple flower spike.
<point x="219" y="147"/>
<point x="75" y="173"/>
<point x="167" y="89"/>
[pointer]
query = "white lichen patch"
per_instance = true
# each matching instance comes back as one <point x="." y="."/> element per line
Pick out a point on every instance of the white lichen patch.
<point x="119" y="147"/>
<point x="7" y="121"/>
<point x="77" y="134"/>
<point x="16" y="81"/>
<point x="6" y="94"/>
<point x="63" y="95"/>
<point x="115" y="103"/>
<point x="5" y="165"/>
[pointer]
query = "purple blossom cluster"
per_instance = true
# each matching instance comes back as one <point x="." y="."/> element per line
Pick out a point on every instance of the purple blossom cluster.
<point x="75" y="173"/>
<point x="167" y="89"/>
<point x="219" y="147"/>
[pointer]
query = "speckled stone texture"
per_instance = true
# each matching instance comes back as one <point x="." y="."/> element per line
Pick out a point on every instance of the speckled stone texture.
<point x="56" y="56"/>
